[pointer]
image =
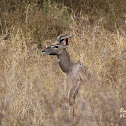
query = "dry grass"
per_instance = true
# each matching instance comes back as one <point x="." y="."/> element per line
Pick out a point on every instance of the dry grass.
<point x="31" y="84"/>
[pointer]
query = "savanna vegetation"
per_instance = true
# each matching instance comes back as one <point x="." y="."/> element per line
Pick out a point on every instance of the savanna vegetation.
<point x="32" y="85"/>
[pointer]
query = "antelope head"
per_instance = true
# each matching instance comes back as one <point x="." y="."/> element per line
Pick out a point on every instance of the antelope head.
<point x="59" y="46"/>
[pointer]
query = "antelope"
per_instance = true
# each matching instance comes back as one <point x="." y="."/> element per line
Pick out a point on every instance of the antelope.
<point x="76" y="72"/>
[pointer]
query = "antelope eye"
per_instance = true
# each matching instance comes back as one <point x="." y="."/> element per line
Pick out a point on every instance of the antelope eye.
<point x="56" y="46"/>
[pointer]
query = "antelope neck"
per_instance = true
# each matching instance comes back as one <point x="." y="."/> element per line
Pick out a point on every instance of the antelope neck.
<point x="64" y="61"/>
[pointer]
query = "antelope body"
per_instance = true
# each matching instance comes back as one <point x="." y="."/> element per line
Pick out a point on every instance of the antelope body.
<point x="76" y="72"/>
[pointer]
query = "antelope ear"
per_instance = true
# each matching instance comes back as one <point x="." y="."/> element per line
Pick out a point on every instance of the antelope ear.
<point x="66" y="42"/>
